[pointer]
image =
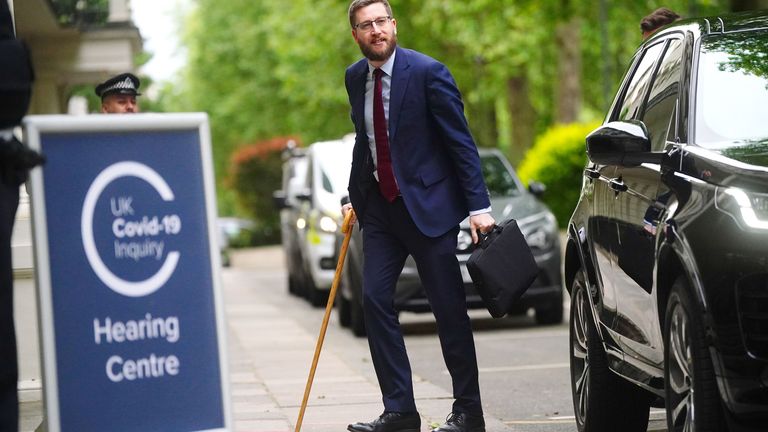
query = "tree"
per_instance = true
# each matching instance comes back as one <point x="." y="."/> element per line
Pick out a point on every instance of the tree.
<point x="273" y="68"/>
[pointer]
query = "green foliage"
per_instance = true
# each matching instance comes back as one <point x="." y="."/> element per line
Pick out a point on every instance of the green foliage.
<point x="81" y="12"/>
<point x="270" y="68"/>
<point x="256" y="173"/>
<point x="557" y="159"/>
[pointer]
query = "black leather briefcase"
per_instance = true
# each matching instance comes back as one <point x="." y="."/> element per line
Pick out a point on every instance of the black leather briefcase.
<point x="502" y="267"/>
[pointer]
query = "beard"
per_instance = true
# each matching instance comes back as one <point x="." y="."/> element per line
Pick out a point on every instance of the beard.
<point x="370" y="53"/>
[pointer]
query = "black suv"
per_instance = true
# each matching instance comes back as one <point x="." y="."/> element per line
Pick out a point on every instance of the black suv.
<point x="667" y="251"/>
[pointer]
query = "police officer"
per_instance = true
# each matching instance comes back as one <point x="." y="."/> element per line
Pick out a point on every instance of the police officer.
<point x="118" y="94"/>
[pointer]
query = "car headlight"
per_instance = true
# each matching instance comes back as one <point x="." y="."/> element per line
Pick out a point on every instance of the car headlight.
<point x="327" y="224"/>
<point x="301" y="223"/>
<point x="541" y="236"/>
<point x="749" y="208"/>
<point x="464" y="241"/>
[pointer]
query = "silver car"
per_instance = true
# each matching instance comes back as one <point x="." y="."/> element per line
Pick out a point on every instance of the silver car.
<point x="510" y="200"/>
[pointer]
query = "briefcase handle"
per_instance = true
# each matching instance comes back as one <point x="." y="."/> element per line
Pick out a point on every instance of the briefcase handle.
<point x="486" y="238"/>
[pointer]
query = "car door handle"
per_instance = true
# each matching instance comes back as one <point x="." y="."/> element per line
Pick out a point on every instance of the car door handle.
<point x="591" y="173"/>
<point x="617" y="184"/>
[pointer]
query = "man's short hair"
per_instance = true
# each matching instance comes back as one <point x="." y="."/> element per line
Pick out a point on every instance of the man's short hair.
<point x="658" y="18"/>
<point x="359" y="4"/>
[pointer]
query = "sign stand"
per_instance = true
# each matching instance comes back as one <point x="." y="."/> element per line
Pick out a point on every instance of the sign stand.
<point x="127" y="267"/>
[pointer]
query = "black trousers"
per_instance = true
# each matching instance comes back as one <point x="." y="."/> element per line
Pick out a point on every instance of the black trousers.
<point x="9" y="403"/>
<point x="389" y="236"/>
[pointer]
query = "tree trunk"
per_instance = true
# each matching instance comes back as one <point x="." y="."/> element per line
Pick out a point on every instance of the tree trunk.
<point x="482" y="122"/>
<point x="523" y="118"/>
<point x="568" y="37"/>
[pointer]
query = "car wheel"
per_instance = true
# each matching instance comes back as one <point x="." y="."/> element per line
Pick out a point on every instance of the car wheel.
<point x="293" y="285"/>
<point x="294" y="274"/>
<point x="315" y="296"/>
<point x="692" y="399"/>
<point x="354" y="277"/>
<point x="344" y="304"/>
<point x="309" y="290"/>
<point x="602" y="401"/>
<point x="552" y="314"/>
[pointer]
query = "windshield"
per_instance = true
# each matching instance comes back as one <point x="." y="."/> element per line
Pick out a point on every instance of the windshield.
<point x="499" y="180"/>
<point x="732" y="92"/>
<point x="334" y="160"/>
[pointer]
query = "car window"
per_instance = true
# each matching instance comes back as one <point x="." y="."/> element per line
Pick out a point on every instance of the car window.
<point x="636" y="89"/>
<point x="732" y="92"/>
<point x="333" y="164"/>
<point x="662" y="98"/>
<point x="498" y="179"/>
<point x="326" y="182"/>
<point x="310" y="175"/>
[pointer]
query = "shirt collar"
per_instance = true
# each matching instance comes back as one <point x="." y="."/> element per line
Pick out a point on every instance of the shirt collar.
<point x="386" y="67"/>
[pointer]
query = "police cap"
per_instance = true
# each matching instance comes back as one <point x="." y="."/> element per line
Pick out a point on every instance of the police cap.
<point x="125" y="83"/>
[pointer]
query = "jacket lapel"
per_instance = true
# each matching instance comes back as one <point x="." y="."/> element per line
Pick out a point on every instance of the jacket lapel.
<point x="400" y="76"/>
<point x="358" y="99"/>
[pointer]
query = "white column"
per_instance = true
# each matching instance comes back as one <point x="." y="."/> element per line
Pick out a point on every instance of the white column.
<point x="25" y="304"/>
<point x="119" y="11"/>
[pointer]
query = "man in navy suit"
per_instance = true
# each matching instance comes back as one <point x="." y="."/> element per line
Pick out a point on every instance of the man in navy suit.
<point x="415" y="176"/>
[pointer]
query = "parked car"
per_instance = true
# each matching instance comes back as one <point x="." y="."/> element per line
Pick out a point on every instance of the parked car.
<point x="287" y="201"/>
<point x="509" y="200"/>
<point x="318" y="211"/>
<point x="230" y="229"/>
<point x="667" y="251"/>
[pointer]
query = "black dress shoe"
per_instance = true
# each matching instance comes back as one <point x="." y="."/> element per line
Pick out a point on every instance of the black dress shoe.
<point x="462" y="422"/>
<point x="390" y="422"/>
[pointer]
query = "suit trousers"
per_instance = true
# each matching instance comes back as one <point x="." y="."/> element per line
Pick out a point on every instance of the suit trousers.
<point x="9" y="405"/>
<point x="389" y="236"/>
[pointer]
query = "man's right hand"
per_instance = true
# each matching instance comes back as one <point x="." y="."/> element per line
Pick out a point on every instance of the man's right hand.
<point x="345" y="209"/>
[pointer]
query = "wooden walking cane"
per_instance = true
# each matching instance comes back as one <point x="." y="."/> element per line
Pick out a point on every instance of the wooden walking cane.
<point x="346" y="228"/>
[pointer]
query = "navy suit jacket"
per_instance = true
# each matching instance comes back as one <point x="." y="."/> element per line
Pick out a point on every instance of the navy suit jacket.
<point x="434" y="157"/>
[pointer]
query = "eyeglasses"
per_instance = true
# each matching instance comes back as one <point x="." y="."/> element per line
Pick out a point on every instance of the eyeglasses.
<point x="368" y="25"/>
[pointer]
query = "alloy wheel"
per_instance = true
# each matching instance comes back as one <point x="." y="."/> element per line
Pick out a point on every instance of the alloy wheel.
<point x="680" y="371"/>
<point x="579" y="352"/>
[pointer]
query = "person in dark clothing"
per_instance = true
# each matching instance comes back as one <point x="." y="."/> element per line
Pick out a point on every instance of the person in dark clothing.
<point x="15" y="160"/>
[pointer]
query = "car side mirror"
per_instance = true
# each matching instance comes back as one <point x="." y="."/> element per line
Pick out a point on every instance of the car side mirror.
<point x="279" y="200"/>
<point x="536" y="188"/>
<point x="621" y="143"/>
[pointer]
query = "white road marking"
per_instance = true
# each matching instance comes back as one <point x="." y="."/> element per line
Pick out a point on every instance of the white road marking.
<point x="520" y="368"/>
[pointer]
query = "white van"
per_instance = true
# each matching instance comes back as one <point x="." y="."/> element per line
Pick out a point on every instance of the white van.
<point x="327" y="178"/>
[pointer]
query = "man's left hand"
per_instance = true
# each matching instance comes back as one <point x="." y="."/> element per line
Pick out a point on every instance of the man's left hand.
<point x="483" y="222"/>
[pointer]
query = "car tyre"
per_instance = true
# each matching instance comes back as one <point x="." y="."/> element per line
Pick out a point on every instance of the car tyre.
<point x="552" y="314"/>
<point x="345" y="312"/>
<point x="691" y="387"/>
<point x="354" y="277"/>
<point x="315" y="296"/>
<point x="294" y="288"/>
<point x="602" y="401"/>
<point x="309" y="290"/>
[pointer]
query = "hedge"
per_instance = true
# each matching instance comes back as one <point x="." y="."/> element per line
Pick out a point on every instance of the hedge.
<point x="255" y="172"/>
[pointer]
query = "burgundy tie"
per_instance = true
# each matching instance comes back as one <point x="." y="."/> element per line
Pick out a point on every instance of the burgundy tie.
<point x="387" y="183"/>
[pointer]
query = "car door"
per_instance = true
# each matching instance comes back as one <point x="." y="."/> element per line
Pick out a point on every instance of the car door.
<point x="603" y="236"/>
<point x="603" y="225"/>
<point x="638" y="207"/>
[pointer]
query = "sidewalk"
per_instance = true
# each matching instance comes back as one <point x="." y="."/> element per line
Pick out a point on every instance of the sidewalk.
<point x="272" y="338"/>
